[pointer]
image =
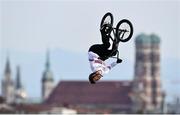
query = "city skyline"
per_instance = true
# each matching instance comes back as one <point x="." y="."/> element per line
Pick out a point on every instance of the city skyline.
<point x="28" y="28"/>
<point x="63" y="73"/>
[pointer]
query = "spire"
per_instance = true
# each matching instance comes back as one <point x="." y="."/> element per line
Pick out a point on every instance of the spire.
<point x="18" y="79"/>
<point x="47" y="79"/>
<point x="7" y="68"/>
<point x="47" y="76"/>
<point x="47" y="61"/>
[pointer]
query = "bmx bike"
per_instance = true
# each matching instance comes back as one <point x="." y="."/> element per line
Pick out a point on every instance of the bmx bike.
<point x="121" y="33"/>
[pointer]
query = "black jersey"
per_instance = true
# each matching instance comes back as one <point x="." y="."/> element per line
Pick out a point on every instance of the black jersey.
<point x="101" y="50"/>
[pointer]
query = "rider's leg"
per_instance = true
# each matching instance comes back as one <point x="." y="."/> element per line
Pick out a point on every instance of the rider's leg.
<point x="106" y="41"/>
<point x="114" y="49"/>
<point x="105" y="35"/>
<point x="115" y="44"/>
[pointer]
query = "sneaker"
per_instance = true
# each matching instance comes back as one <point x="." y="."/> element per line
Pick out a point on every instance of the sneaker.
<point x="119" y="60"/>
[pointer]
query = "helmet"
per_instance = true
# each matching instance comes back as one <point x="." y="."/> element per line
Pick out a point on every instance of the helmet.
<point x="95" y="76"/>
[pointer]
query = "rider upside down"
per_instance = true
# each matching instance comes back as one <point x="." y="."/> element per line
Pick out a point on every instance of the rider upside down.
<point x="98" y="53"/>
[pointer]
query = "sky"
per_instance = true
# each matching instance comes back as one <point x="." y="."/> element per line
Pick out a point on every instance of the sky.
<point x="68" y="28"/>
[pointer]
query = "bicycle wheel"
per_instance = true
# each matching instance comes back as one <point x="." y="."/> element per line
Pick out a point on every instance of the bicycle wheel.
<point x="124" y="30"/>
<point x="107" y="19"/>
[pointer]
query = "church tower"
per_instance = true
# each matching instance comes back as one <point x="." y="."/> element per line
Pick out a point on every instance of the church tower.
<point x="20" y="92"/>
<point x="147" y="83"/>
<point x="47" y="80"/>
<point x="8" y="84"/>
<point x="155" y="68"/>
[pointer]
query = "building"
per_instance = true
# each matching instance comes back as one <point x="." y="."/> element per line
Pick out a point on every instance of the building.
<point x="8" y="85"/>
<point x="147" y="81"/>
<point x="24" y="108"/>
<point x="41" y="109"/>
<point x="142" y="94"/>
<point x="103" y="97"/>
<point x="47" y="80"/>
<point x="4" y="107"/>
<point x="12" y="90"/>
<point x="20" y="93"/>
<point x="174" y="106"/>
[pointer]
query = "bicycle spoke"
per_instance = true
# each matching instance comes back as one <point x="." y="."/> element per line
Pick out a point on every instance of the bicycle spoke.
<point x="123" y="34"/>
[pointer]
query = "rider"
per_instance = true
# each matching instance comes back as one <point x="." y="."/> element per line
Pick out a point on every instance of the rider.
<point x="98" y="53"/>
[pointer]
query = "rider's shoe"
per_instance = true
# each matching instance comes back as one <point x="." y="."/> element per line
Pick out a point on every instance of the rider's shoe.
<point x="119" y="60"/>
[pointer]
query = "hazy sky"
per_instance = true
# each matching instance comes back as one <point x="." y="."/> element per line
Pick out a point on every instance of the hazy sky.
<point x="74" y="25"/>
<point x="30" y="27"/>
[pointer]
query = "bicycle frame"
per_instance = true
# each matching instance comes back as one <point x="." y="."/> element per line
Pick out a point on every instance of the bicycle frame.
<point x="116" y="41"/>
<point x="120" y="31"/>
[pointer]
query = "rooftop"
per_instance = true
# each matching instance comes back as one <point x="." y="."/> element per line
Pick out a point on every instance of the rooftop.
<point x="82" y="92"/>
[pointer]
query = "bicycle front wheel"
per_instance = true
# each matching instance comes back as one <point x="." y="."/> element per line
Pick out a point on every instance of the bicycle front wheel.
<point x="124" y="30"/>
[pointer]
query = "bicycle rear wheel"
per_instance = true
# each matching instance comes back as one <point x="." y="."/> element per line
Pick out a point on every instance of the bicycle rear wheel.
<point x="124" y="30"/>
<point x="107" y="19"/>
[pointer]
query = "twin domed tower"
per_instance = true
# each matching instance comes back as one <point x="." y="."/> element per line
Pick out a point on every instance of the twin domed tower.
<point x="147" y="82"/>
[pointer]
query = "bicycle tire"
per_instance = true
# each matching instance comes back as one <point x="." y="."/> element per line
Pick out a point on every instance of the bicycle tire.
<point x="118" y="28"/>
<point x="108" y="14"/>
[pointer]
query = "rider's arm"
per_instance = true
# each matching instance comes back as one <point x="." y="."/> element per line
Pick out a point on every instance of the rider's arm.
<point x="113" y="64"/>
<point x="108" y="68"/>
